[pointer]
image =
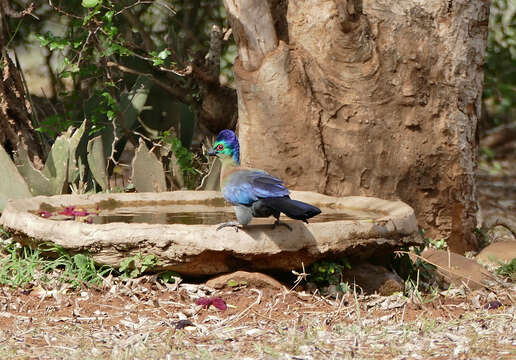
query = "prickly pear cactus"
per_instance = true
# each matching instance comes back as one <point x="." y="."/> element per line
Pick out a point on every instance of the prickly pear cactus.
<point x="38" y="183"/>
<point x="148" y="174"/>
<point x="60" y="168"/>
<point x="97" y="161"/>
<point x="56" y="166"/>
<point x="73" y="166"/>
<point x="12" y="185"/>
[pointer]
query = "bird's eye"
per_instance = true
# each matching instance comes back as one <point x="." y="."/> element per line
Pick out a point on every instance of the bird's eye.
<point x="220" y="147"/>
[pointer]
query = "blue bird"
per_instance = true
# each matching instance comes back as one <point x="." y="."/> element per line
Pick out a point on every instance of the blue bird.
<point x="254" y="192"/>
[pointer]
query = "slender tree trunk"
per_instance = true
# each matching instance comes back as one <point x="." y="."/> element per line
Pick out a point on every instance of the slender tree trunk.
<point x="373" y="97"/>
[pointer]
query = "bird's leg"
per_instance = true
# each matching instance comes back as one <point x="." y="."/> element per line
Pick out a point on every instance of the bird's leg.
<point x="233" y="224"/>
<point x="278" y="222"/>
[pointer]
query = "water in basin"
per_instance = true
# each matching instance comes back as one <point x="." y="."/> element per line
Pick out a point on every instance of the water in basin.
<point x="192" y="215"/>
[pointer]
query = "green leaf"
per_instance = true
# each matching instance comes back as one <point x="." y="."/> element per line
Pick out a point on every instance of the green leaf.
<point x="169" y="276"/>
<point x="124" y="264"/>
<point x="90" y="3"/>
<point x="164" y="54"/>
<point x="81" y="261"/>
<point x="109" y="15"/>
<point x="65" y="74"/>
<point x="157" y="62"/>
<point x="43" y="40"/>
<point x="149" y="260"/>
<point x="134" y="273"/>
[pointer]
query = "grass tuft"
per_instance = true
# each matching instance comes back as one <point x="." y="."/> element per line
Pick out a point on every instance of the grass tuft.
<point x="507" y="270"/>
<point x="21" y="265"/>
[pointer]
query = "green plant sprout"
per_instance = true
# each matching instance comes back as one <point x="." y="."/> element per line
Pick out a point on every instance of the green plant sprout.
<point x="135" y="266"/>
<point x="329" y="272"/>
<point x="507" y="269"/>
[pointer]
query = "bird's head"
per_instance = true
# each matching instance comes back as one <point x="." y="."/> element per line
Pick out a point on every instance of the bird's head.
<point x="226" y="146"/>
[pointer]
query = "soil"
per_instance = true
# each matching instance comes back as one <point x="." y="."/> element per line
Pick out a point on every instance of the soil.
<point x="145" y="319"/>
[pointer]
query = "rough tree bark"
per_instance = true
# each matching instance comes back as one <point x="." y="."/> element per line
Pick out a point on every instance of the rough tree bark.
<point x="351" y="97"/>
<point x="15" y="109"/>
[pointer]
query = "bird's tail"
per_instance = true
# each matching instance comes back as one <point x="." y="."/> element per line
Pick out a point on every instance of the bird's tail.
<point x="292" y="208"/>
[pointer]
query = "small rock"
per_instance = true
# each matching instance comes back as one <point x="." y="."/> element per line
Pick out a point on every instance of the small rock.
<point x="456" y="269"/>
<point x="252" y="279"/>
<point x="373" y="278"/>
<point x="501" y="251"/>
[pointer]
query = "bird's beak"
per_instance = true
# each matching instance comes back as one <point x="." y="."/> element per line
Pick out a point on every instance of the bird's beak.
<point x="212" y="152"/>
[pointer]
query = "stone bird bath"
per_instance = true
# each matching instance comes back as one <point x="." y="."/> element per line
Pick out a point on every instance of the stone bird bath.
<point x="179" y="228"/>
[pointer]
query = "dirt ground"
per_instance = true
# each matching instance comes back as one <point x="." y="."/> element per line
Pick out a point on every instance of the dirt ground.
<point x="144" y="319"/>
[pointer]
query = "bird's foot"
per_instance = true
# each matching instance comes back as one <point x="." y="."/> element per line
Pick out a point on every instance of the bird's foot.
<point x="278" y="222"/>
<point x="233" y="224"/>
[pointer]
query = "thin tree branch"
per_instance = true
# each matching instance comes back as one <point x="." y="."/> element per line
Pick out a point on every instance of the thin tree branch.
<point x="17" y="14"/>
<point x="180" y="94"/>
<point x="61" y="11"/>
<point x="139" y="2"/>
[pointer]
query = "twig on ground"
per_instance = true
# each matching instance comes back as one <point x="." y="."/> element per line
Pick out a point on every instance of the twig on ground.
<point x="245" y="311"/>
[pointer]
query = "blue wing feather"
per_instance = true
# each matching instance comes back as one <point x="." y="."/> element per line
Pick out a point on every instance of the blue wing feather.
<point x="247" y="186"/>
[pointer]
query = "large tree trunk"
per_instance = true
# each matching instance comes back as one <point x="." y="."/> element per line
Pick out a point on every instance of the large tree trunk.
<point x="373" y="98"/>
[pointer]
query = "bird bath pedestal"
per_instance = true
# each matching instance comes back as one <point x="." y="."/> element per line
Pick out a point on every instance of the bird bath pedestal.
<point x="179" y="227"/>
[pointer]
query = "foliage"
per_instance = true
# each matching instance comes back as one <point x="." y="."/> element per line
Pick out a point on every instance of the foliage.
<point x="329" y="272"/>
<point x="500" y="66"/>
<point x="21" y="265"/>
<point x="169" y="276"/>
<point x="3" y="234"/>
<point x="183" y="155"/>
<point x="182" y="160"/>
<point x="417" y="273"/>
<point x="508" y="269"/>
<point x="77" y="269"/>
<point x="135" y="266"/>
<point x="53" y="125"/>
<point x="97" y="53"/>
<point x="440" y="244"/>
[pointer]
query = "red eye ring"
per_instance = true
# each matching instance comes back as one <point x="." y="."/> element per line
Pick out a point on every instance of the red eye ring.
<point x="220" y="147"/>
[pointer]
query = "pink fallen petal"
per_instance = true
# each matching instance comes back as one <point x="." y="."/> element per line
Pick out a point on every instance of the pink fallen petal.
<point x="219" y="303"/>
<point x="45" y="214"/>
<point x="68" y="211"/>
<point x="204" y="301"/>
